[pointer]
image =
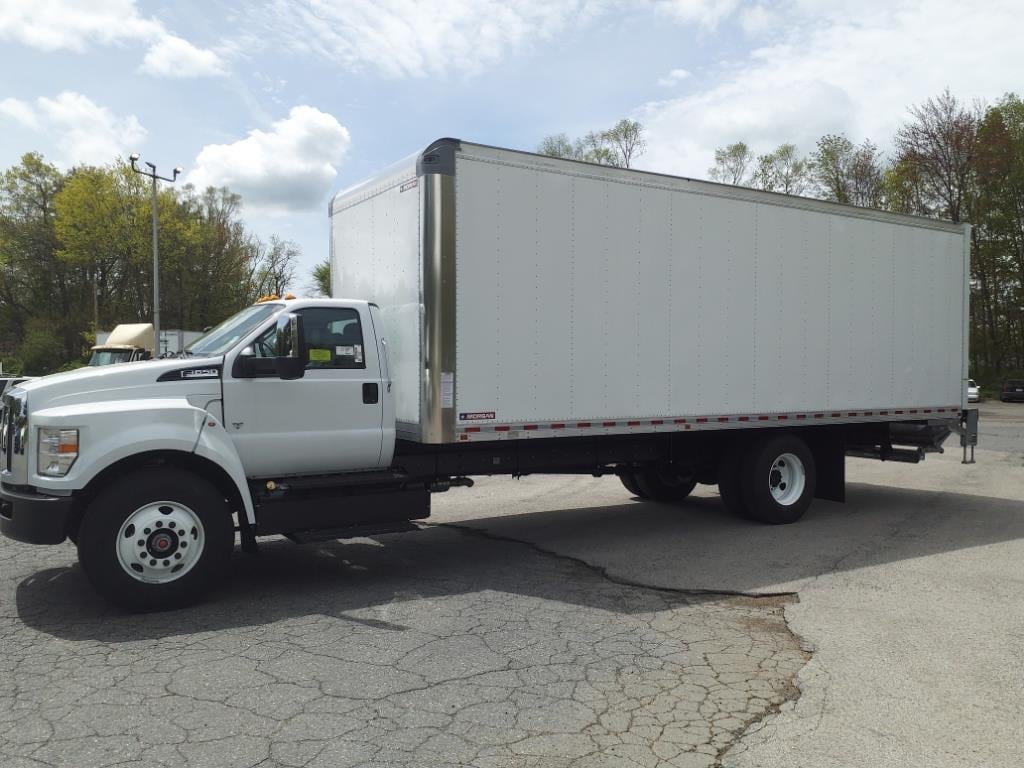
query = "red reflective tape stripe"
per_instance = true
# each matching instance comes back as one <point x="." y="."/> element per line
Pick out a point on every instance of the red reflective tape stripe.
<point x="913" y="410"/>
<point x="702" y="420"/>
<point x="472" y="429"/>
<point x="608" y="423"/>
<point x="743" y="418"/>
<point x="723" y="418"/>
<point x="529" y="426"/>
<point x="502" y="429"/>
<point x="783" y="418"/>
<point x="583" y="424"/>
<point x="680" y="421"/>
<point x="819" y="415"/>
<point x="898" y="413"/>
<point x="558" y="426"/>
<point x="927" y="410"/>
<point x="801" y="415"/>
<point x="632" y="423"/>
<point x="883" y="413"/>
<point x="836" y="415"/>
<point x="762" y="418"/>
<point x="941" y="410"/>
<point x="852" y="414"/>
<point x="657" y="421"/>
<point x="869" y="413"/>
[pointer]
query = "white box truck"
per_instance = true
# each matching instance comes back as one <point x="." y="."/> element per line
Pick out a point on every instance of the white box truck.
<point x="512" y="314"/>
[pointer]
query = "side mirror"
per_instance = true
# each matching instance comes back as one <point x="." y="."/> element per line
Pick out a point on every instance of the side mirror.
<point x="291" y="354"/>
<point x="245" y="364"/>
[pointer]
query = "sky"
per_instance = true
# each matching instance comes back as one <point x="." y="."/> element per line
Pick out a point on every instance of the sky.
<point x="289" y="101"/>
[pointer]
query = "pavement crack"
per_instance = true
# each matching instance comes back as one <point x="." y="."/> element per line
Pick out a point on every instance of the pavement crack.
<point x="604" y="574"/>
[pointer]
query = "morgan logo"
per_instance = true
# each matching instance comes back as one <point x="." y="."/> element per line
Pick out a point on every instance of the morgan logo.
<point x="477" y="416"/>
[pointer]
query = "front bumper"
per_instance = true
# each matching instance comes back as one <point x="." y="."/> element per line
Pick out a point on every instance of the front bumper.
<point x="33" y="517"/>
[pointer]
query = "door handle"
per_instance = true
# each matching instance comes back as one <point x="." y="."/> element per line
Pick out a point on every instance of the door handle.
<point x="371" y="394"/>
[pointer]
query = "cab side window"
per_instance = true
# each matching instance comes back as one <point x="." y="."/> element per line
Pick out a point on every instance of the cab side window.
<point x="334" y="337"/>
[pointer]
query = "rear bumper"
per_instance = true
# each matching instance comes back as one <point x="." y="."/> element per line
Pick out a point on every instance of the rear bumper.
<point x="1012" y="397"/>
<point x="33" y="517"/>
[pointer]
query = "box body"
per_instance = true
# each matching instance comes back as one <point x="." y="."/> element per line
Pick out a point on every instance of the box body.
<point x="524" y="296"/>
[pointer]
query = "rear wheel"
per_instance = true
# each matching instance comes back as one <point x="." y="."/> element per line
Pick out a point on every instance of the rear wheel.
<point x="778" y="480"/>
<point x="665" y="483"/>
<point x="628" y="479"/>
<point x="158" y="538"/>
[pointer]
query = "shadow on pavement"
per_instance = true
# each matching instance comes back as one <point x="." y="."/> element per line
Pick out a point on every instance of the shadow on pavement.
<point x="696" y="545"/>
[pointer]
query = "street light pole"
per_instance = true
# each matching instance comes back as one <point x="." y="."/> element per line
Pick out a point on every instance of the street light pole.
<point x="152" y="174"/>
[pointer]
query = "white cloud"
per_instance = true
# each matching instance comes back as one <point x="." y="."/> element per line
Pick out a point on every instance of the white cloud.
<point x="174" y="57"/>
<point x="83" y="131"/>
<point x="291" y="167"/>
<point x="707" y="13"/>
<point x="75" y="25"/>
<point x="19" y="111"/>
<point x="674" y="77"/>
<point x="408" y="38"/>
<point x="842" y="67"/>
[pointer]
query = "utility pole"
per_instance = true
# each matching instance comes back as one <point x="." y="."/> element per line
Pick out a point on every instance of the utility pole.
<point x="152" y="174"/>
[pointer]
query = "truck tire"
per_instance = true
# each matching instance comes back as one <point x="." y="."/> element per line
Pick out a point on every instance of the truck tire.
<point x="156" y="539"/>
<point x="629" y="481"/>
<point x="778" y="480"/>
<point x="664" y="484"/>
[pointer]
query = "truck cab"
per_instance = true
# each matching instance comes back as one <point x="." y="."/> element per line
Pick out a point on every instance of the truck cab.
<point x="154" y="461"/>
<point x="127" y="343"/>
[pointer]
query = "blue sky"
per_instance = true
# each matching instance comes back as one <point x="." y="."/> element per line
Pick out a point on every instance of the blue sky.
<point x="288" y="102"/>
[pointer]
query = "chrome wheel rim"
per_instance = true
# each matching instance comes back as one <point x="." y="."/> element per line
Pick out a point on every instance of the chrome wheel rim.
<point x="160" y="542"/>
<point x="786" y="479"/>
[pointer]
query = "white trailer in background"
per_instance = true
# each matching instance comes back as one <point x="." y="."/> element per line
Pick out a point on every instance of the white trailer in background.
<point x="510" y="314"/>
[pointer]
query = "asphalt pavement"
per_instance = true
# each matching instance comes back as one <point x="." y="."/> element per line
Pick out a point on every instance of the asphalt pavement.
<point x="556" y="621"/>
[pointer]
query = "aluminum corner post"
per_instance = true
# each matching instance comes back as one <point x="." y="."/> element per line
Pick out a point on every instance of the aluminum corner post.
<point x="437" y="403"/>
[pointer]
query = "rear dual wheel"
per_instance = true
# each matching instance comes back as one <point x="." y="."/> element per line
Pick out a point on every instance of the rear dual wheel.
<point x="772" y="480"/>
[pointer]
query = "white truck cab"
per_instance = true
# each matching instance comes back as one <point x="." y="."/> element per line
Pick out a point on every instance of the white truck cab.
<point x="231" y="410"/>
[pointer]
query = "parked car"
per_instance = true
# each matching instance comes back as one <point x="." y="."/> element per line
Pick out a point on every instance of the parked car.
<point x="973" y="391"/>
<point x="1013" y="391"/>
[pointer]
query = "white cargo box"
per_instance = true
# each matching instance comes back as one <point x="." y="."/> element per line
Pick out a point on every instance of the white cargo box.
<point x="527" y="296"/>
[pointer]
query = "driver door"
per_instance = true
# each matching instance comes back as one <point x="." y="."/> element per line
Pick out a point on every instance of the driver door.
<point x="328" y="421"/>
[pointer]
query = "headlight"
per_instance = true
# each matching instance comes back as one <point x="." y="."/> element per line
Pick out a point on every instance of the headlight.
<point x="58" y="449"/>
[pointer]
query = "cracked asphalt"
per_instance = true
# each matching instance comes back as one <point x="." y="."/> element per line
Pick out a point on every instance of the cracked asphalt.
<point x="555" y="621"/>
<point x="444" y="647"/>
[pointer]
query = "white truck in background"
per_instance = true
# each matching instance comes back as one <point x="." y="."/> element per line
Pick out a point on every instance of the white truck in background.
<point x="130" y="342"/>
<point x="516" y="314"/>
<point x="127" y="343"/>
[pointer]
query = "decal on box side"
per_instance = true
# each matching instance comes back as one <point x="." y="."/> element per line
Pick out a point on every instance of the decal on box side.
<point x="477" y="416"/>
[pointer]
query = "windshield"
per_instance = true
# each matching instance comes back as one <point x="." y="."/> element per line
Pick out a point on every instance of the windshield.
<point x="109" y="356"/>
<point x="227" y="334"/>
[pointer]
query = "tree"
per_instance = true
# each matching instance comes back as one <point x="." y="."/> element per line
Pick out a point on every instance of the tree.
<point x="731" y="164"/>
<point x="782" y="171"/>
<point x="322" y="278"/>
<point x="618" y="146"/>
<point x="937" y="146"/>
<point x="626" y="140"/>
<point x="557" y="145"/>
<point x="846" y="173"/>
<point x="273" y="267"/>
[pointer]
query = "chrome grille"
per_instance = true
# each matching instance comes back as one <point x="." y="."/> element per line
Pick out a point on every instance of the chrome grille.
<point x="14" y="436"/>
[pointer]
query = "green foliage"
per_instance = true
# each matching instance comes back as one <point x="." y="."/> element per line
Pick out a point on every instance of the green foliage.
<point x="41" y="351"/>
<point x="618" y="146"/>
<point x="783" y="171"/>
<point x="731" y="164"/>
<point x="76" y="255"/>
<point x="322" y="278"/>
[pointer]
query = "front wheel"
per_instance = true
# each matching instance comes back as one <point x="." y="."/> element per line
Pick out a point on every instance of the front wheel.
<point x="157" y="539"/>
<point x="778" y="480"/>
